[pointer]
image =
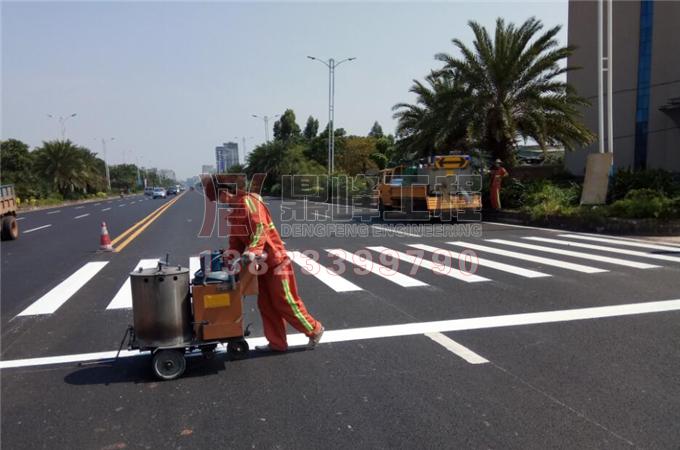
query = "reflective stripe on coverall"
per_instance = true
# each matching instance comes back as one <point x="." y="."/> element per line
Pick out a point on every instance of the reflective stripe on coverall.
<point x="251" y="229"/>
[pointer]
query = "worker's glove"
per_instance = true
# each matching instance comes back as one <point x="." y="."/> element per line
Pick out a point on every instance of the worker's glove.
<point x="248" y="257"/>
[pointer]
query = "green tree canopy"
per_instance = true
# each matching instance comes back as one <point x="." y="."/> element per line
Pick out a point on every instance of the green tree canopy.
<point x="67" y="167"/>
<point x="311" y="128"/>
<point x="376" y="130"/>
<point x="286" y="128"/>
<point x="516" y="85"/>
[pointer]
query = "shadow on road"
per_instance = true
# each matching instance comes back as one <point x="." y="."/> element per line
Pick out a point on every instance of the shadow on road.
<point x="138" y="369"/>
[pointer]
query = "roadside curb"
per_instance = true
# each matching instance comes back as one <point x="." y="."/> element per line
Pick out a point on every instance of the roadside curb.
<point x="610" y="225"/>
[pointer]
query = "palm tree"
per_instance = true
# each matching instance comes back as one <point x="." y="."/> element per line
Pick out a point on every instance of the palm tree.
<point x="435" y="123"/>
<point x="515" y="88"/>
<point x="67" y="167"/>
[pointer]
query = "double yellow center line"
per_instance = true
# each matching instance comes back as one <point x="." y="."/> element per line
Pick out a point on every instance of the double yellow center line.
<point x="135" y="230"/>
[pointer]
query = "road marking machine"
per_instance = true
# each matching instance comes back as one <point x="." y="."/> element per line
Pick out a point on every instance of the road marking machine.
<point x="173" y="315"/>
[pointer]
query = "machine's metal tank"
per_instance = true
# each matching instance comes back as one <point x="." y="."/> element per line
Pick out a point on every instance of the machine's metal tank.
<point x="161" y="307"/>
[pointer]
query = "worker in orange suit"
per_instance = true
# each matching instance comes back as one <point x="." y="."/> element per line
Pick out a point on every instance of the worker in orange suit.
<point x="252" y="234"/>
<point x="497" y="175"/>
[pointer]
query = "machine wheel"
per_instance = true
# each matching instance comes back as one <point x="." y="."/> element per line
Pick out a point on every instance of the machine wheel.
<point x="238" y="349"/>
<point x="169" y="364"/>
<point x="10" y="229"/>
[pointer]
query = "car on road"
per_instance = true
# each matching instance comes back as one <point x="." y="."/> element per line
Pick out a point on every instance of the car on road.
<point x="159" y="192"/>
<point x="172" y="190"/>
<point x="148" y="190"/>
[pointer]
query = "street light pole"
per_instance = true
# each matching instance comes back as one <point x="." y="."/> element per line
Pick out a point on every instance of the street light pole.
<point x="265" y="119"/>
<point x="331" y="64"/>
<point x="62" y="123"/>
<point x="106" y="162"/>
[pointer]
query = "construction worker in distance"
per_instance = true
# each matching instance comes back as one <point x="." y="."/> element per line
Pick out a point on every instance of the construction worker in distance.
<point x="252" y="234"/>
<point x="497" y="175"/>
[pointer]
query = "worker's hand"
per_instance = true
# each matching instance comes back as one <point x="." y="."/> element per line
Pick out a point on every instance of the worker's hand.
<point x="248" y="257"/>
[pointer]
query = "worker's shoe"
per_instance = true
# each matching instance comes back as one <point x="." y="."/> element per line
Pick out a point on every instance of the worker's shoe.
<point x="315" y="338"/>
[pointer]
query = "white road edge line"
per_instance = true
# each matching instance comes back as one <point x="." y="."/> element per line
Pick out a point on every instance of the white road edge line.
<point x="58" y="295"/>
<point x="36" y="229"/>
<point x="457" y="349"/>
<point x="643" y="244"/>
<point x="391" y="230"/>
<point x="407" y="329"/>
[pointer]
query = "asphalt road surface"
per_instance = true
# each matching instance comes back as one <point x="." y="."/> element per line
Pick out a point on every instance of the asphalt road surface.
<point x="442" y="336"/>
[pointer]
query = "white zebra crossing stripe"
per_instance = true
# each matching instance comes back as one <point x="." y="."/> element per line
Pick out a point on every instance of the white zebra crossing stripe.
<point x="531" y="258"/>
<point x="627" y="242"/>
<point x="123" y="298"/>
<point x="605" y="248"/>
<point x="483" y="262"/>
<point x="323" y="274"/>
<point x="376" y="269"/>
<point x="439" y="269"/>
<point x="590" y="256"/>
<point x="194" y="265"/>
<point x="50" y="302"/>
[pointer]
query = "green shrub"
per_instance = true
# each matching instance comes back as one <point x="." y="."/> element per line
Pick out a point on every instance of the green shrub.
<point x="543" y="198"/>
<point x="646" y="203"/>
<point x="657" y="180"/>
<point x="513" y="193"/>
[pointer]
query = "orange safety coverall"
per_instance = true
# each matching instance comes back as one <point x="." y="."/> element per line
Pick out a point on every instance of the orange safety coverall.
<point x="497" y="175"/>
<point x="251" y="229"/>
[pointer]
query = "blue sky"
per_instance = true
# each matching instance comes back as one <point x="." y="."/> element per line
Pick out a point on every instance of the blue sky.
<point x="171" y="80"/>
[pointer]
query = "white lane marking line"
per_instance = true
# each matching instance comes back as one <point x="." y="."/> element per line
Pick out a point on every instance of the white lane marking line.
<point x="50" y="302"/>
<point x="323" y="274"/>
<point x="120" y="206"/>
<point x="641" y="244"/>
<point x="123" y="298"/>
<point x="79" y="207"/>
<point x="54" y="212"/>
<point x="105" y="209"/>
<point x="20" y="218"/>
<point x="81" y="216"/>
<point x="407" y="329"/>
<point x="377" y="269"/>
<point x="604" y="248"/>
<point x="194" y="265"/>
<point x="456" y="348"/>
<point x="590" y="256"/>
<point x="483" y="262"/>
<point x="392" y="230"/>
<point x="439" y="269"/>
<point x="36" y="229"/>
<point x="526" y="257"/>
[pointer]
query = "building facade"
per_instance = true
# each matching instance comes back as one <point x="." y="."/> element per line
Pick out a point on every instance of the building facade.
<point x="226" y="156"/>
<point x="207" y="168"/>
<point x="646" y="85"/>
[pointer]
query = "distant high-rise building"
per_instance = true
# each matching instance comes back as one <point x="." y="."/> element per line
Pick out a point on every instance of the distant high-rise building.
<point x="226" y="156"/>
<point x="646" y="87"/>
<point x="207" y="168"/>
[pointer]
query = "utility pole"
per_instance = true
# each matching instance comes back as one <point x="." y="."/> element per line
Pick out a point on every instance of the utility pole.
<point x="62" y="123"/>
<point x="601" y="69"/>
<point x="265" y="119"/>
<point x="331" y="64"/>
<point x="106" y="162"/>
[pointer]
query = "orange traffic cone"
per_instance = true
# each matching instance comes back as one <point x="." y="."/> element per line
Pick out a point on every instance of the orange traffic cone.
<point x="105" y="240"/>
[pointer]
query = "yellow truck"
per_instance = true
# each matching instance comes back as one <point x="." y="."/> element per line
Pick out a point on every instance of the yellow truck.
<point x="8" y="213"/>
<point x="444" y="187"/>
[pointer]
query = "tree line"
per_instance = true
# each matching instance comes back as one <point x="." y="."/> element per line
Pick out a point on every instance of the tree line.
<point x="509" y="86"/>
<point x="62" y="169"/>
